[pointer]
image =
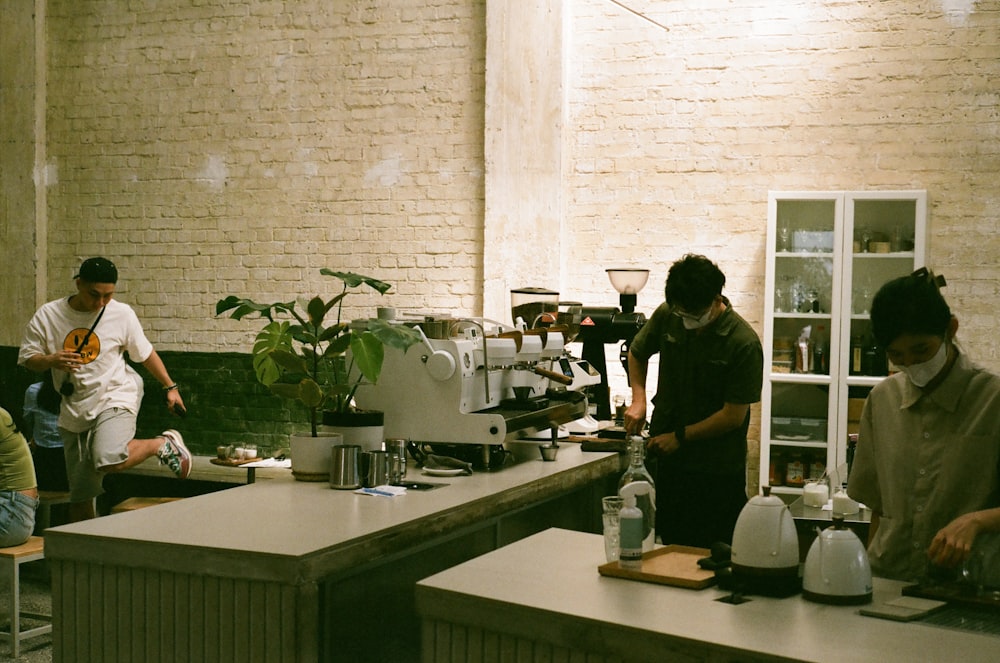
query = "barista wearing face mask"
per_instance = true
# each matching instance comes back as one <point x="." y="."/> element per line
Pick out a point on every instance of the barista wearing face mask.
<point x="710" y="372"/>
<point x="928" y="455"/>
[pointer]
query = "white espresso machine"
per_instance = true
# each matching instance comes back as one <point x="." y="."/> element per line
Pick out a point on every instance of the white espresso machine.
<point x="473" y="382"/>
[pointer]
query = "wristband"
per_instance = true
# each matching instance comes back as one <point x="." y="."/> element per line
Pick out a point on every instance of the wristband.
<point x="172" y="387"/>
<point x="681" y="437"/>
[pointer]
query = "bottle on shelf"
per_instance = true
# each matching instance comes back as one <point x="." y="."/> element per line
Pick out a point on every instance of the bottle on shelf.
<point x="820" y="352"/>
<point x="873" y="360"/>
<point x="776" y="471"/>
<point x="645" y="501"/>
<point x="852" y="446"/>
<point x="857" y="353"/>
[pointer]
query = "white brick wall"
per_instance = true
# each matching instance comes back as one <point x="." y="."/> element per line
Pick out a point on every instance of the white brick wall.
<point x="222" y="147"/>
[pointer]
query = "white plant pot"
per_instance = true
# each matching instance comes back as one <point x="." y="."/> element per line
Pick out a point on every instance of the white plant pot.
<point x="311" y="456"/>
<point x="365" y="429"/>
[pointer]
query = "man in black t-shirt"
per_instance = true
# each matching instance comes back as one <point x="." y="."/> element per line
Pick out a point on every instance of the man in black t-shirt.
<point x="710" y="372"/>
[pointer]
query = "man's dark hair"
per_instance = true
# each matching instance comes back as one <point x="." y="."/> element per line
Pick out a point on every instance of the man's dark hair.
<point x="910" y="305"/>
<point x="693" y="283"/>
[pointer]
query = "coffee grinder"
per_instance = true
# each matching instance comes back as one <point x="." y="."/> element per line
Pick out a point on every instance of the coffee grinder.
<point x="601" y="325"/>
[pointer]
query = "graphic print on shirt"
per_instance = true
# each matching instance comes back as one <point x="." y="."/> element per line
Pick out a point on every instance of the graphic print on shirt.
<point x="90" y="350"/>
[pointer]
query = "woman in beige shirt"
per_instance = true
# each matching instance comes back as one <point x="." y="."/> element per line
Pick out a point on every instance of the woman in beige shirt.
<point x="928" y="455"/>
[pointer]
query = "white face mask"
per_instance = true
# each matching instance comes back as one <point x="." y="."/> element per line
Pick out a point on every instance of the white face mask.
<point x="922" y="373"/>
<point x="697" y="323"/>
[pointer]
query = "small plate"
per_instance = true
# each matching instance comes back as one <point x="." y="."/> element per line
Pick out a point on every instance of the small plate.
<point x="443" y="472"/>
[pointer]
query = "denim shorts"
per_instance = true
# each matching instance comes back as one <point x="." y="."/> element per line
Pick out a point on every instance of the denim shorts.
<point x="17" y="517"/>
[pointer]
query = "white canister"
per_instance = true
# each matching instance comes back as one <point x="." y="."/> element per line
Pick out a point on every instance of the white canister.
<point x="843" y="505"/>
<point x="815" y="494"/>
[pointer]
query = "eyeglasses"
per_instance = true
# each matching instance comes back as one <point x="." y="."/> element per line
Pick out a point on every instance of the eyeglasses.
<point x="696" y="317"/>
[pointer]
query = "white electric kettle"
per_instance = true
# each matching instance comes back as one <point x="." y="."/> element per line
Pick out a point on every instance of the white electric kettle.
<point x="765" y="554"/>
<point x="837" y="568"/>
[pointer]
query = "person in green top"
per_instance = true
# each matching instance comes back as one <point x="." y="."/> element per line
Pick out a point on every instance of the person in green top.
<point x="710" y="372"/>
<point x="18" y="488"/>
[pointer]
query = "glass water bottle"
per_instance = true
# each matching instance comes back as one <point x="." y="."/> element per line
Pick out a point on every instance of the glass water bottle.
<point x="647" y="503"/>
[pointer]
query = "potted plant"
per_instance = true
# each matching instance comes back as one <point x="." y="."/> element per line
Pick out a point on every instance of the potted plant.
<point x="301" y="356"/>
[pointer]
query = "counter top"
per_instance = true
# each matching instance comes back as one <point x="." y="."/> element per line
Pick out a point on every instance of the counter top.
<point x="546" y="588"/>
<point x="293" y="531"/>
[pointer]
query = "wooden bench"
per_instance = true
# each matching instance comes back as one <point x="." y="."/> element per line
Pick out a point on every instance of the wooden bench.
<point x="11" y="560"/>
<point x="133" y="503"/>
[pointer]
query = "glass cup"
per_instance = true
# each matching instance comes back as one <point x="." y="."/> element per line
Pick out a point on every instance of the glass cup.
<point x="611" y="508"/>
<point x="397" y="459"/>
<point x="619" y="410"/>
<point x="784" y="239"/>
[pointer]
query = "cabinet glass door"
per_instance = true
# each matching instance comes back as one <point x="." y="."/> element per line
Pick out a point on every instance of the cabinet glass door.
<point x="828" y="253"/>
<point x="803" y="296"/>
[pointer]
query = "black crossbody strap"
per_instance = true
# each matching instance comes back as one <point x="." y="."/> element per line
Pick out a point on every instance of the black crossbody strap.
<point x="86" y="338"/>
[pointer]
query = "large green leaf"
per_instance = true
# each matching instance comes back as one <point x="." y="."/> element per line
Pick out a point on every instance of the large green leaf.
<point x="289" y="361"/>
<point x="273" y="337"/>
<point x="352" y="280"/>
<point x="306" y="391"/>
<point x="395" y="336"/>
<point x="241" y="307"/>
<point x="368" y="353"/>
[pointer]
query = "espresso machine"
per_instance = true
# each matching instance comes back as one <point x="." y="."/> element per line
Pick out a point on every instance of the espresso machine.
<point x="471" y="386"/>
<point x="601" y="325"/>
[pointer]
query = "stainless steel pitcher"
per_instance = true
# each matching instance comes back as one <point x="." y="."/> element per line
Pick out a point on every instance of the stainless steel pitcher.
<point x="345" y="470"/>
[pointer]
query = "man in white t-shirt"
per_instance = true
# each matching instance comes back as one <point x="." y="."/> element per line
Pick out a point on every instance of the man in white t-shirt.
<point x="83" y="339"/>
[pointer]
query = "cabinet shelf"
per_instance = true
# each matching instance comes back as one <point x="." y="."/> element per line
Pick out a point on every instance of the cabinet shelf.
<point x="822" y="229"/>
<point x="793" y="315"/>
<point x="801" y="444"/>
<point x="800" y="378"/>
<point x="906" y="255"/>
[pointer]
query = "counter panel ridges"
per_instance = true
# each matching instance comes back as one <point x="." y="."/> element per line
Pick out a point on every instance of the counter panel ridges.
<point x="166" y="617"/>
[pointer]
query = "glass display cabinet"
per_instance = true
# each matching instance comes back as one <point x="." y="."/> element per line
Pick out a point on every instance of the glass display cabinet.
<point x="828" y="252"/>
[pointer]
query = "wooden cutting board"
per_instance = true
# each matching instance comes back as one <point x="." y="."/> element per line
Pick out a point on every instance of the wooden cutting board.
<point x="670" y="565"/>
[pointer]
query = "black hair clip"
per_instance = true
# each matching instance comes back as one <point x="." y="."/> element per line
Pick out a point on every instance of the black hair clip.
<point x="935" y="279"/>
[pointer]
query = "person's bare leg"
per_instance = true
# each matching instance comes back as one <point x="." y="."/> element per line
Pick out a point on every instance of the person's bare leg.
<point x="138" y="451"/>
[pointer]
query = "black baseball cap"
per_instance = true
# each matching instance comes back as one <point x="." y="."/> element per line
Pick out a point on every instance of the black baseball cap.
<point x="98" y="270"/>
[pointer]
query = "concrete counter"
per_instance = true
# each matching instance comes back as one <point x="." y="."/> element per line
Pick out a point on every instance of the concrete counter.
<point x="256" y="571"/>
<point x="543" y="598"/>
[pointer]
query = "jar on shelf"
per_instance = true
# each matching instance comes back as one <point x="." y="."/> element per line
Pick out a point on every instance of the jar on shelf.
<point x="776" y="471"/>
<point x="795" y="470"/>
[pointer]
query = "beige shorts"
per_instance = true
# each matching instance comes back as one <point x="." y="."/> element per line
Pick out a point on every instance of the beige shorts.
<point x="104" y="443"/>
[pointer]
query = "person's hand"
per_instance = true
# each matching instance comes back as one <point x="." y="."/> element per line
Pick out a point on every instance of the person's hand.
<point x="68" y="361"/>
<point x="664" y="444"/>
<point x="175" y="403"/>
<point x="635" y="417"/>
<point x="953" y="543"/>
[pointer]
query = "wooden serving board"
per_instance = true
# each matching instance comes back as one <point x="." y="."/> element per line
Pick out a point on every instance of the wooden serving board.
<point x="233" y="462"/>
<point x="670" y="565"/>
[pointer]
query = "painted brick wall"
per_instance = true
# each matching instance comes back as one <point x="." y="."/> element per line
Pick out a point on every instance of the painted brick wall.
<point x="221" y="147"/>
<point x="675" y="136"/>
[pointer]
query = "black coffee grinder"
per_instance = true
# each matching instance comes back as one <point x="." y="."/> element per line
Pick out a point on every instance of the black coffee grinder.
<point x="601" y="325"/>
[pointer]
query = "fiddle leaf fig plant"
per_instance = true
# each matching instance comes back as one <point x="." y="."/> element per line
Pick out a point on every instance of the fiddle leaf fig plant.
<point x="301" y="356"/>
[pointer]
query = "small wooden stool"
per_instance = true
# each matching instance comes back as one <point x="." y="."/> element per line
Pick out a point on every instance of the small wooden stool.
<point x="134" y="503"/>
<point x="46" y="500"/>
<point x="11" y="560"/>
